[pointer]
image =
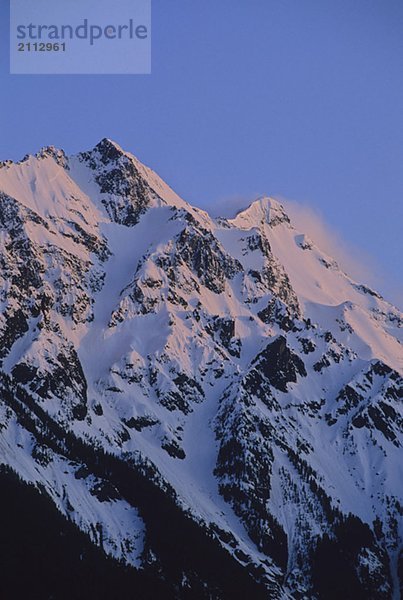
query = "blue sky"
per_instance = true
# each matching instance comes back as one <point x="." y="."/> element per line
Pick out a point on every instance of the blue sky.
<point x="297" y="98"/>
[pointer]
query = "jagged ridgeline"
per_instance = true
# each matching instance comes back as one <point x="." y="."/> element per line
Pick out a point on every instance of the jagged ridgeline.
<point x="190" y="407"/>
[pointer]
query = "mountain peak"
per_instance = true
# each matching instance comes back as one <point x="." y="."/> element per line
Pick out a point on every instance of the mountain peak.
<point x="51" y="151"/>
<point x="263" y="210"/>
<point x="109" y="150"/>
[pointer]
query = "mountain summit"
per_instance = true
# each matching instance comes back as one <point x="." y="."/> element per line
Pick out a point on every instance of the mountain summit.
<point x="213" y="402"/>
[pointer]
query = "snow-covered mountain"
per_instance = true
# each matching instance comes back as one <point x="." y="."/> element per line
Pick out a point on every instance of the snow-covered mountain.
<point x="214" y="402"/>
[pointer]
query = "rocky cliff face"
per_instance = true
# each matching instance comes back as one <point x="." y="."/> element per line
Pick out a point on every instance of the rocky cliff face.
<point x="213" y="402"/>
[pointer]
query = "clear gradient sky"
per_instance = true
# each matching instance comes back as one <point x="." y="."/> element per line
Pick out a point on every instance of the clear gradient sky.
<point x="297" y="98"/>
